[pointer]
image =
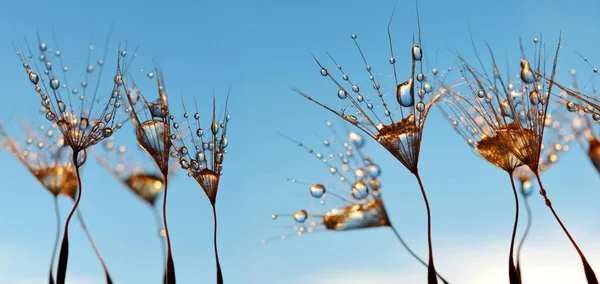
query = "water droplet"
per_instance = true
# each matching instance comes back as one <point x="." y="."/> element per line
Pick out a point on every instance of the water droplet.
<point x="196" y="116"/>
<point x="300" y="216"/>
<point x="404" y="94"/>
<point x="274" y="216"/>
<point x="34" y="78"/>
<point x="481" y="94"/>
<point x="317" y="190"/>
<point x="353" y="36"/>
<point x="118" y="80"/>
<point x="50" y="116"/>
<point x="333" y="170"/>
<point x="107" y="132"/>
<point x="376" y="86"/>
<point x="55" y="84"/>
<point x="100" y="62"/>
<point x="342" y="94"/>
<point x="176" y="125"/>
<point x="355" y="88"/>
<point x="420" y="77"/>
<point x="534" y="97"/>
<point x="83" y="123"/>
<point x="535" y="39"/>
<point x="351" y="118"/>
<point x="392" y="60"/>
<point x="374" y="171"/>
<point x="356" y="139"/>
<point x="345" y="77"/>
<point x="420" y="106"/>
<point x="324" y="72"/>
<point x="571" y="106"/>
<point x="370" y="106"/>
<point x="359" y="190"/>
<point x="124" y="53"/>
<point x="368" y="67"/>
<point x="81" y="158"/>
<point x="42" y="57"/>
<point x="199" y="132"/>
<point x="526" y="73"/>
<point x="417" y="53"/>
<point x="596" y="116"/>
<point x="48" y="65"/>
<point x="43" y="46"/>
<point x="61" y="106"/>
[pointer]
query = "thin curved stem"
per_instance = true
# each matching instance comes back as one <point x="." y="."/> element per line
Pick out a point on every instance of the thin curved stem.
<point x="219" y="273"/>
<point x="431" y="273"/>
<point x="413" y="253"/>
<point x="170" y="273"/>
<point x="589" y="272"/>
<point x="63" y="257"/>
<point x="159" y="225"/>
<point x="526" y="232"/>
<point x="513" y="275"/>
<point x="96" y="250"/>
<point x="57" y="214"/>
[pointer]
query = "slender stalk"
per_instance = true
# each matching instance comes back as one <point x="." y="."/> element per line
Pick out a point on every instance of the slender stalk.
<point x="219" y="274"/>
<point x="96" y="250"/>
<point x="170" y="273"/>
<point x="57" y="214"/>
<point x="63" y="257"/>
<point x="527" y="228"/>
<point x="589" y="272"/>
<point x="413" y="253"/>
<point x="513" y="275"/>
<point x="159" y="225"/>
<point x="431" y="273"/>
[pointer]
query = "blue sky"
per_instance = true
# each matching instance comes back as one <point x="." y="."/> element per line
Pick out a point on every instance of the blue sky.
<point x="261" y="49"/>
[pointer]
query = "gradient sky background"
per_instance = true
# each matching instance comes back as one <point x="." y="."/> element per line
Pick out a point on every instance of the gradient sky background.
<point x="260" y="48"/>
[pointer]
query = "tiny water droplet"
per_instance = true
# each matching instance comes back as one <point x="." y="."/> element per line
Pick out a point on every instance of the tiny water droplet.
<point x="353" y="36"/>
<point x="392" y="60"/>
<point x="324" y="72"/>
<point x="43" y="46"/>
<point x="420" y="106"/>
<point x="55" y="84"/>
<point x="355" y="88"/>
<point x="571" y="106"/>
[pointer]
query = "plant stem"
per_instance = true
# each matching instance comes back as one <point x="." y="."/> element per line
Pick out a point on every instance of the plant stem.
<point x="57" y="214"/>
<point x="513" y="275"/>
<point x="413" y="253"/>
<point x="96" y="250"/>
<point x="431" y="273"/>
<point x="219" y="274"/>
<point x="170" y="273"/>
<point x="589" y="272"/>
<point x="527" y="227"/>
<point x="63" y="257"/>
<point x="159" y="225"/>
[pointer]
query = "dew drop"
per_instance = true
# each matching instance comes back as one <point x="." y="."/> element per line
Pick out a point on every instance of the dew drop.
<point x="420" y="106"/>
<point x="118" y="80"/>
<point x="324" y="72"/>
<point x="355" y="88"/>
<point x="61" y="106"/>
<point x="317" y="190"/>
<point x="107" y="132"/>
<point x="374" y="171"/>
<point x="356" y="139"/>
<point x="571" y="106"/>
<point x="34" y="78"/>
<point x="392" y="60"/>
<point x="199" y="132"/>
<point x="534" y="97"/>
<point x="55" y="84"/>
<point x="526" y="73"/>
<point x="43" y="46"/>
<point x="404" y="94"/>
<point x="359" y="190"/>
<point x="417" y="53"/>
<point x="353" y="36"/>
<point x="420" y="77"/>
<point x="274" y="216"/>
<point x="342" y="94"/>
<point x="83" y="123"/>
<point x="596" y="117"/>
<point x="481" y="94"/>
<point x="81" y="158"/>
<point x="123" y="53"/>
<point x="300" y="216"/>
<point x="376" y="86"/>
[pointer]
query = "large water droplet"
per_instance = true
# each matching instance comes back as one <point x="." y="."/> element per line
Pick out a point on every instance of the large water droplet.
<point x="417" y="53"/>
<point x="526" y="73"/>
<point x="34" y="78"/>
<point x="404" y="94"/>
<point x="83" y="123"/>
<point x="374" y="171"/>
<point x="61" y="106"/>
<point x="534" y="97"/>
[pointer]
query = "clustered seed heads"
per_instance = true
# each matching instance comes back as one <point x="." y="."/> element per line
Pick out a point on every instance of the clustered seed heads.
<point x="44" y="154"/>
<point x="203" y="159"/>
<point x="74" y="108"/>
<point x="358" y="189"/>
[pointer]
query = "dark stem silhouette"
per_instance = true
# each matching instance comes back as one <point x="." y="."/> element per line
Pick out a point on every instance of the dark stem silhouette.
<point x="219" y="274"/>
<point x="413" y="253"/>
<point x="170" y="272"/>
<point x="57" y="214"/>
<point x="513" y="274"/>
<point x="527" y="228"/>
<point x="63" y="257"/>
<point x="589" y="272"/>
<point x="159" y="226"/>
<point x="431" y="273"/>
